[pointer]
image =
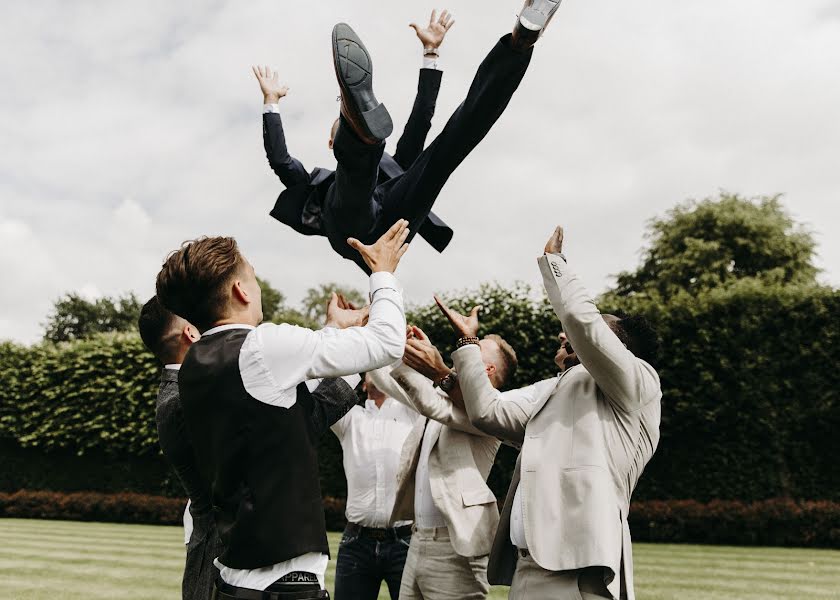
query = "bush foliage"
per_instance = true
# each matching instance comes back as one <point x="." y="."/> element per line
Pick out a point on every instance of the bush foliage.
<point x="774" y="522"/>
<point x="750" y="404"/>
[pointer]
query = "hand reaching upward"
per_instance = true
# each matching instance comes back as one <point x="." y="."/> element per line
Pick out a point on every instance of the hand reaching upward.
<point x="386" y="252"/>
<point x="270" y="84"/>
<point x="465" y="326"/>
<point x="433" y="34"/>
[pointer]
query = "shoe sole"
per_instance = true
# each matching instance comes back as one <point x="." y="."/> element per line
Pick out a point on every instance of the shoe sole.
<point x="538" y="14"/>
<point x="354" y="71"/>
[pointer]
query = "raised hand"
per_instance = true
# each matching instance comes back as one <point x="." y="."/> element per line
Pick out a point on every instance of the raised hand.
<point x="386" y="252"/>
<point x="555" y="243"/>
<point x="342" y="314"/>
<point x="270" y="84"/>
<point x="422" y="356"/>
<point x="465" y="326"/>
<point x="432" y="35"/>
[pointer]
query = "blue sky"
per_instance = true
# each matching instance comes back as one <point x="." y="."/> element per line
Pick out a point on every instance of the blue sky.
<point x="128" y="128"/>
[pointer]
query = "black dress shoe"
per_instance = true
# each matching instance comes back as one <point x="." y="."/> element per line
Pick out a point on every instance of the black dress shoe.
<point x="354" y="69"/>
<point x="532" y="21"/>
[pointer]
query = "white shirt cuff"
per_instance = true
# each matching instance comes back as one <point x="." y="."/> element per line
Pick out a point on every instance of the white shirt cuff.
<point x="384" y="280"/>
<point x="431" y="62"/>
<point x="271" y="108"/>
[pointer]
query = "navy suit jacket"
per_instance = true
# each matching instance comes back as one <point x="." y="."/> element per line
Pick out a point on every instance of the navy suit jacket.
<point x="300" y="204"/>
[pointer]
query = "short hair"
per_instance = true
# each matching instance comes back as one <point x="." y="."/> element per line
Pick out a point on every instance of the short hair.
<point x="193" y="282"/>
<point x="155" y="325"/>
<point x="638" y="334"/>
<point x="508" y="363"/>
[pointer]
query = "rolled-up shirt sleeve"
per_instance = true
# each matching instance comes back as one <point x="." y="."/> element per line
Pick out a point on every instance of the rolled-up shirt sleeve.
<point x="276" y="358"/>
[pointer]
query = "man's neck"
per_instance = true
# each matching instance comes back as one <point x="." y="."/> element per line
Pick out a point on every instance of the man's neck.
<point x="380" y="401"/>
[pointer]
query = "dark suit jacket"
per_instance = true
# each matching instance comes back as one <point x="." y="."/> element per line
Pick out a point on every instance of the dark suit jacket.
<point x="204" y="544"/>
<point x="300" y="204"/>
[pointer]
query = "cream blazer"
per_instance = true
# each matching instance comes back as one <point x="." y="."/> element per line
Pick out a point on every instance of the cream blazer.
<point x="585" y="441"/>
<point x="459" y="464"/>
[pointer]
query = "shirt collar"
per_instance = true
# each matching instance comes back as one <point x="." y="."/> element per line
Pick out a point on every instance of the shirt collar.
<point x="371" y="404"/>
<point x="227" y="327"/>
<point x="173" y="367"/>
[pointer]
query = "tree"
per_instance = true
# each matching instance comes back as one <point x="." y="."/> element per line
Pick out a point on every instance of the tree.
<point x="702" y="245"/>
<point x="76" y="318"/>
<point x="314" y="304"/>
<point x="275" y="309"/>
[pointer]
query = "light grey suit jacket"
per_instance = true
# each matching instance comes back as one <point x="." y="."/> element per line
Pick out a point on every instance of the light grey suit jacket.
<point x="585" y="442"/>
<point x="459" y="464"/>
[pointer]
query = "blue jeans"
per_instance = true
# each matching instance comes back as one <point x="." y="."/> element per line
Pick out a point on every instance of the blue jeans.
<point x="364" y="563"/>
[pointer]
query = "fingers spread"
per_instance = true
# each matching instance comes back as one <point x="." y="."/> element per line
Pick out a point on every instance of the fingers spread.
<point x="433" y="18"/>
<point x="450" y="24"/>
<point x="355" y="244"/>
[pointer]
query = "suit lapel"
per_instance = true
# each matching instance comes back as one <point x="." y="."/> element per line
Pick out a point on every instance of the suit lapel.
<point x="543" y="401"/>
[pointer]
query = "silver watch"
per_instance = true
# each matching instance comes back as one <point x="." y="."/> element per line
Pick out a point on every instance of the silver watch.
<point x="447" y="384"/>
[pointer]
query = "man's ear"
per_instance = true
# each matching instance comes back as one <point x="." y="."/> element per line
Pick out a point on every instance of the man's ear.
<point x="190" y="334"/>
<point x="239" y="294"/>
<point x="490" y="368"/>
<point x="330" y="144"/>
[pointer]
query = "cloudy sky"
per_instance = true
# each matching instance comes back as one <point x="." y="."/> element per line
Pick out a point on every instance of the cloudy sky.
<point x="128" y="127"/>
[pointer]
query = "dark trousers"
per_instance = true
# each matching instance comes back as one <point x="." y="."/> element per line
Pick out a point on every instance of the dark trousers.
<point x="356" y="206"/>
<point x="364" y="563"/>
<point x="203" y="548"/>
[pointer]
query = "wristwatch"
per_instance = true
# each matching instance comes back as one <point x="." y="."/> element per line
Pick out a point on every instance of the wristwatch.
<point x="447" y="384"/>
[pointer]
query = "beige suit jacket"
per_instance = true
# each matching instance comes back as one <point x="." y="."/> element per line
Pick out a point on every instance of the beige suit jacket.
<point x="459" y="464"/>
<point x="585" y="441"/>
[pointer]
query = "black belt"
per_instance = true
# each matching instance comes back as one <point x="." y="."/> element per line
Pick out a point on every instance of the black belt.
<point x="380" y="535"/>
<point x="294" y="586"/>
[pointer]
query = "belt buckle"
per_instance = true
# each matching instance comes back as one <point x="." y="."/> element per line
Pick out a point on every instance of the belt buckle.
<point x="380" y="535"/>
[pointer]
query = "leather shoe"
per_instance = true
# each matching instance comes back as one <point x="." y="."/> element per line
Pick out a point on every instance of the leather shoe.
<point x="532" y="21"/>
<point x="354" y="70"/>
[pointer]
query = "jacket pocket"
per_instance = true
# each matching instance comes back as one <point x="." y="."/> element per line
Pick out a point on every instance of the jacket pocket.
<point x="476" y="497"/>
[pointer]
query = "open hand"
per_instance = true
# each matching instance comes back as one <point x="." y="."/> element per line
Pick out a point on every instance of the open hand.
<point x="555" y="243"/>
<point x="465" y="326"/>
<point x="342" y="314"/>
<point x="422" y="356"/>
<point x="432" y="35"/>
<point x="386" y="252"/>
<point x="270" y="84"/>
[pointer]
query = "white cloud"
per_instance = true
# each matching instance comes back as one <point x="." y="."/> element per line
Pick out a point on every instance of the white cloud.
<point x="130" y="128"/>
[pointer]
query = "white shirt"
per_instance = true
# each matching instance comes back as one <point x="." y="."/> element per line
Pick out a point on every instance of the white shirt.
<point x="372" y="439"/>
<point x="275" y="359"/>
<point x="426" y="513"/>
<point x="533" y="394"/>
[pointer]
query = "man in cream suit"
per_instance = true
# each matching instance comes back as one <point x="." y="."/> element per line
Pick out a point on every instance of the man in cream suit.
<point x="442" y="481"/>
<point x="586" y="438"/>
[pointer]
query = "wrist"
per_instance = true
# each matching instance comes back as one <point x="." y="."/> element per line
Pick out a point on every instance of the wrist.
<point x="442" y="373"/>
<point x="467" y="340"/>
<point x="271" y="98"/>
<point x="430" y="50"/>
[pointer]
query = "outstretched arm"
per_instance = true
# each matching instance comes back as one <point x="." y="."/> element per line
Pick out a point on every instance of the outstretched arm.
<point x="331" y="400"/>
<point x="289" y="169"/>
<point x="419" y="122"/>
<point x="627" y="381"/>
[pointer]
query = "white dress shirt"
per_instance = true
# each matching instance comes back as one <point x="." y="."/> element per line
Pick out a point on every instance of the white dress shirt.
<point x="275" y="359"/>
<point x="372" y="439"/>
<point x="533" y="394"/>
<point x="426" y="513"/>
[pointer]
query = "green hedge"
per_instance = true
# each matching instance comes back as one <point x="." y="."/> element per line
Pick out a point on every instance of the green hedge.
<point x="750" y="407"/>
<point x="774" y="522"/>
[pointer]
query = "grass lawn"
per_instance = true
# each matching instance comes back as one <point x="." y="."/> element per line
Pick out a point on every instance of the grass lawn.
<point x="42" y="560"/>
